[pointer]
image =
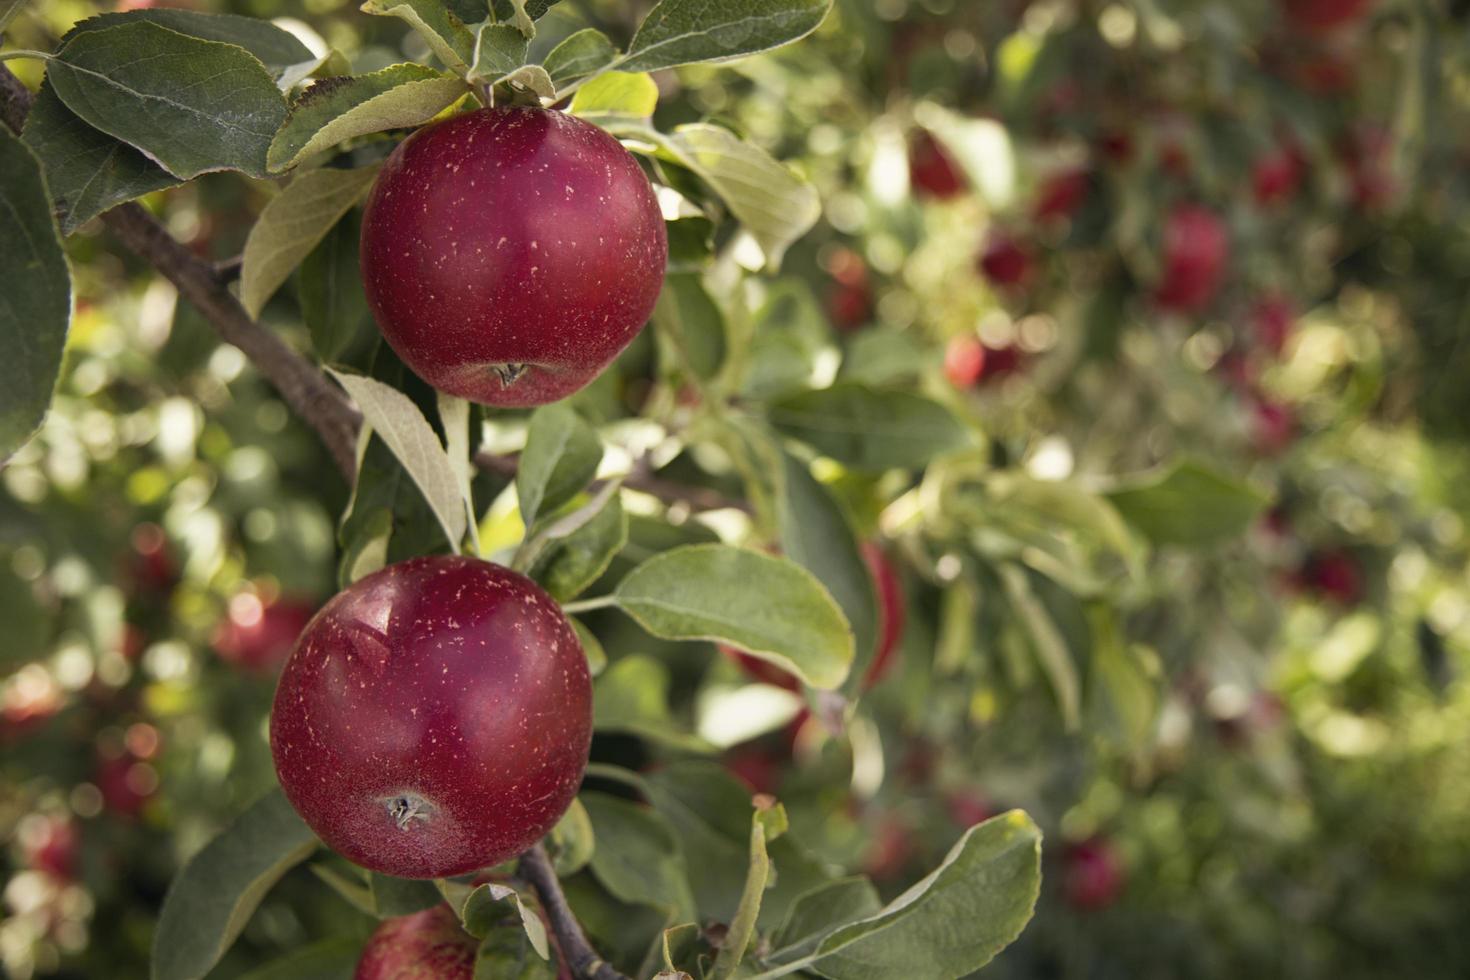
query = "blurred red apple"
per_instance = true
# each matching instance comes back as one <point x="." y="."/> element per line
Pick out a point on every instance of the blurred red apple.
<point x="1004" y="261"/>
<point x="964" y="361"/>
<point x="933" y="173"/>
<point x="756" y="766"/>
<point x="890" y="849"/>
<point x="126" y="782"/>
<point x="258" y="636"/>
<point x="1277" y="176"/>
<point x="1092" y="874"/>
<point x="1334" y="575"/>
<point x="1323" y="15"/>
<point x="967" y="808"/>
<point x="850" y="296"/>
<point x="49" y="844"/>
<point x="149" y="570"/>
<point x="1196" y="253"/>
<point x="1273" y="425"/>
<point x="1367" y="152"/>
<point x="1273" y="316"/>
<point x="1061" y="194"/>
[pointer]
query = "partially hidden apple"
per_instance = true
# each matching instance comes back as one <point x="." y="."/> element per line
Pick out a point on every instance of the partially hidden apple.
<point x="428" y="945"/>
<point x="1324" y="15"/>
<point x="434" y="719"/>
<point x="257" y="635"/>
<point x="933" y="173"/>
<point x="1004" y="261"/>
<point x="1196" y="254"/>
<point x="1092" y="875"/>
<point x="510" y="254"/>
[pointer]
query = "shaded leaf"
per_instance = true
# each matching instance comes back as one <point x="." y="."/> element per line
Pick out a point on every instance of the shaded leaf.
<point x="770" y="607"/>
<point x="632" y="696"/>
<point x="824" y="908"/>
<point x="584" y="53"/>
<point x="571" y="842"/>
<point x="869" y="429"/>
<point x="1047" y="640"/>
<point x="680" y="32"/>
<point x="560" y="459"/>
<point x="35" y="302"/>
<point x="330" y="959"/>
<point x="591" y="646"/>
<point x="393" y="897"/>
<point x="331" y="296"/>
<point x="445" y="34"/>
<point x="637" y="857"/>
<point x="280" y="51"/>
<point x="569" y="565"/>
<point x="499" y="50"/>
<point x="1189" y="504"/>
<point x="691" y="325"/>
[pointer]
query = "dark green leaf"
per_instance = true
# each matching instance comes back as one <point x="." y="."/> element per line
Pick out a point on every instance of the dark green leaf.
<point x="331" y="959"/>
<point x="591" y="646"/>
<point x="393" y="897"/>
<point x="770" y="607"/>
<point x="282" y="53"/>
<point x="1058" y="658"/>
<point x="869" y="429"/>
<point x="87" y="171"/>
<point x="691" y="325"/>
<point x="329" y="287"/>
<point x="191" y="105"/>
<point x="584" y="53"/>
<point x="1189" y="504"/>
<point x="572" y="563"/>
<point x="571" y="842"/>
<point x="788" y="335"/>
<point x="507" y="954"/>
<point x="35" y="301"/>
<point x="445" y="34"/>
<point x="561" y="457"/>
<point x="214" y="895"/>
<point x="632" y="696"/>
<point x="824" y="908"/>
<point x="338" y="109"/>
<point x="679" y="32"/>
<point x="499" y="50"/>
<point x="637" y="857"/>
<point x="535" y="9"/>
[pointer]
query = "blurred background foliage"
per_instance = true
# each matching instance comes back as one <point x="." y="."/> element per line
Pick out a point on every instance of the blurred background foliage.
<point x="1111" y="236"/>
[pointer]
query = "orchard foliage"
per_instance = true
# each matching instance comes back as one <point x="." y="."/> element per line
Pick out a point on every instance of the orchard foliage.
<point x="902" y="430"/>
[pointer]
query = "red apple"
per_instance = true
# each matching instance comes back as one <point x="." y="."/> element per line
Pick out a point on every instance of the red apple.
<point x="1323" y="15"/>
<point x="964" y="361"/>
<point x="1196" y="246"/>
<point x="126" y="783"/>
<point x="850" y="297"/>
<point x="1004" y="261"/>
<point x="1273" y="425"/>
<point x="1276" y="176"/>
<point x="1367" y="152"/>
<point x="49" y="844"/>
<point x="434" y="719"/>
<point x="1273" y="317"/>
<point x="1334" y="575"/>
<point x="150" y="570"/>
<point x="968" y="807"/>
<point x="510" y="254"/>
<point x="428" y="945"/>
<point x="258" y="636"/>
<point x="755" y="766"/>
<point x="1061" y="194"/>
<point x="1092" y="874"/>
<point x="933" y="173"/>
<point x="890" y="850"/>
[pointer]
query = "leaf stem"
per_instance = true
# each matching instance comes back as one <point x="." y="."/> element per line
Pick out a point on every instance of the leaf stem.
<point x="535" y="867"/>
<point x="24" y="53"/>
<point x="587" y="605"/>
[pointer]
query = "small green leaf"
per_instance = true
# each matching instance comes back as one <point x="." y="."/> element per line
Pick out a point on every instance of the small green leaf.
<point x="445" y="34"/>
<point x="681" y="32"/>
<point x="292" y="224"/>
<point x="637" y="858"/>
<point x="770" y="607"/>
<point x="534" y="9"/>
<point x="817" y="535"/>
<point x="532" y="78"/>
<point x="869" y="429"/>
<point x="584" y="53"/>
<point x="570" y="564"/>
<point x="956" y="919"/>
<point x="1189" y="504"/>
<point x="214" y="895"/>
<point x="338" y="109"/>
<point x="614" y="96"/>
<point x="1048" y="641"/>
<point x="742" y="926"/>
<point x="35" y="304"/>
<point x="329" y="290"/>
<point x="561" y="457"/>
<point x="394" y="417"/>
<point x="499" y="50"/>
<point x="506" y="953"/>
<point x="571" y="842"/>
<point x="87" y="171"/>
<point x="330" y="959"/>
<point x="191" y="105"/>
<point x="823" y="909"/>
<point x="591" y="646"/>
<point x="690" y="325"/>
<point x="484" y="909"/>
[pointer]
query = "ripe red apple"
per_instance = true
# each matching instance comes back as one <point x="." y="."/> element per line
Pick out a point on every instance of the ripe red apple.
<point x="1276" y="176"/>
<point x="1004" y="261"/>
<point x="756" y="766"/>
<point x="890" y="849"/>
<point x="1092" y="874"/>
<point x="149" y="570"/>
<point x="510" y="254"/>
<point x="1196" y="247"/>
<point x="49" y="844"/>
<point x="1367" y="153"/>
<point x="933" y="173"/>
<point x="850" y="297"/>
<point x="428" y="945"/>
<point x="964" y="361"/>
<point x="258" y="636"/>
<point x="126" y="783"/>
<point x="434" y="718"/>
<point x="968" y="807"/>
<point x="1334" y="575"/>
<point x="892" y="615"/>
<point x="1323" y="15"/>
<point x="1061" y="194"/>
<point x="1273" y="317"/>
<point x="1273" y="425"/>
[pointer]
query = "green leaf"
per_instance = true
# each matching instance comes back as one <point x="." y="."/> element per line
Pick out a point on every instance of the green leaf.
<point x="1048" y="641"/>
<point x="1189" y="504"/>
<point x="87" y="171"/>
<point x="355" y="891"/>
<point x="506" y="953"/>
<point x="569" y="565"/>
<point x="681" y="32"/>
<point x="767" y="822"/>
<point x="330" y="959"/>
<point x="584" y="53"/>
<point x="292" y="224"/>
<point x="591" y="646"/>
<point x="531" y="78"/>
<point x="484" y="909"/>
<point x="774" y="204"/>
<point x="637" y="858"/>
<point x="788" y="335"/>
<point x="869" y="429"/>
<point x="35" y="302"/>
<point x="561" y="457"/>
<point x="329" y="288"/>
<point x="956" y="919"/>
<point x="534" y="9"/>
<point x="280" y="51"/>
<point x="770" y="607"/>
<point x="191" y="105"/>
<point x="571" y="842"/>
<point x="691" y="325"/>
<point x="214" y="895"/>
<point x="499" y="50"/>
<point x="817" y="912"/>
<point x="882" y="356"/>
<point x="632" y="696"/>
<point x="394" y="417"/>
<point x="816" y="534"/>
<point x="338" y="109"/>
<point x="445" y="33"/>
<point x="616" y="96"/>
<point x="393" y="897"/>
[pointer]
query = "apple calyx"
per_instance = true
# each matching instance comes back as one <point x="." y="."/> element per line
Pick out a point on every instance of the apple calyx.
<point x="509" y="374"/>
<point x="405" y="808"/>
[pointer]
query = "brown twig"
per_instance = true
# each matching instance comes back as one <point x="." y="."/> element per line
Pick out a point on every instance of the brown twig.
<point x="535" y="867"/>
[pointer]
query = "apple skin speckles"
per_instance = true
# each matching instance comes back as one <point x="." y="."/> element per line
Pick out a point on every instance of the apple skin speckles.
<point x="434" y="718"/>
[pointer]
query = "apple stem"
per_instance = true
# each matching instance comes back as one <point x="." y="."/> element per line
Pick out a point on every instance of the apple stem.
<point x="509" y="374"/>
<point x="535" y="867"/>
